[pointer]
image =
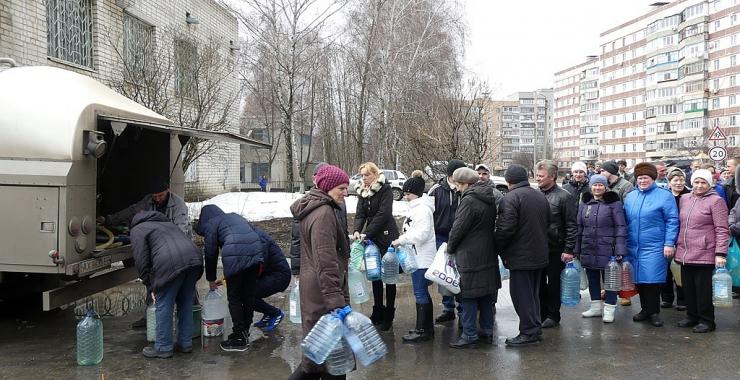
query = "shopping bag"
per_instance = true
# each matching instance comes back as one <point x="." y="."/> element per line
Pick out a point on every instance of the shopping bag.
<point x="443" y="271"/>
<point x="733" y="261"/>
<point x="676" y="272"/>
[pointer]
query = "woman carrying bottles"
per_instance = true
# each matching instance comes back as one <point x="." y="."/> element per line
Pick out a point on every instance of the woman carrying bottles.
<point x="677" y="184"/>
<point x="601" y="234"/>
<point x="374" y="218"/>
<point x="703" y="240"/>
<point x="652" y="227"/>
<point x="418" y="232"/>
<point x="324" y="257"/>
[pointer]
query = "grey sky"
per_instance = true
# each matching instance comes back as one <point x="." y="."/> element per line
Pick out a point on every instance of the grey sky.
<point x="519" y="45"/>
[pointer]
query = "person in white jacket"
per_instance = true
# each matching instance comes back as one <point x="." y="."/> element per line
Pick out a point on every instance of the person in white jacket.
<point x="418" y="236"/>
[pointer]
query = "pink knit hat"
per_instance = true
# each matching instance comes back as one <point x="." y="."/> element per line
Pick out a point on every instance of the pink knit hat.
<point x="329" y="177"/>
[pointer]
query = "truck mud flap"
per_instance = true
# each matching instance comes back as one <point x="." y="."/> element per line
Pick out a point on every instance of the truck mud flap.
<point x="64" y="295"/>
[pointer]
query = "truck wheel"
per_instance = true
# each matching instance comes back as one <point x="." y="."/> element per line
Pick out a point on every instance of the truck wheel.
<point x="397" y="194"/>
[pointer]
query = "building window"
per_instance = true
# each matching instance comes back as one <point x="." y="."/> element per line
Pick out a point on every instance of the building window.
<point x="716" y="64"/>
<point x="69" y="33"/>
<point x="138" y="47"/>
<point x="191" y="173"/>
<point x="186" y="55"/>
<point x="732" y="80"/>
<point x="259" y="170"/>
<point x="715" y="103"/>
<point x="733" y="120"/>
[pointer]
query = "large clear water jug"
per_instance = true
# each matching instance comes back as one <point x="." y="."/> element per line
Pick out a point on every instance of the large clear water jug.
<point x="407" y="258"/>
<point x="613" y="275"/>
<point x="628" y="279"/>
<point x="151" y="322"/>
<point x="570" y="281"/>
<point x="722" y="288"/>
<point x="358" y="289"/>
<point x="341" y="360"/>
<point x="214" y="312"/>
<point x="364" y="339"/>
<point x="502" y="270"/>
<point x="582" y="273"/>
<point x="372" y="261"/>
<point x="390" y="266"/>
<point x="322" y="338"/>
<point x="90" y="339"/>
<point x="294" y="304"/>
<point x="357" y="255"/>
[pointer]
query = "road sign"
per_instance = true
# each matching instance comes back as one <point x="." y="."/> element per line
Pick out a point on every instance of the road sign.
<point x="718" y="153"/>
<point x="717" y="134"/>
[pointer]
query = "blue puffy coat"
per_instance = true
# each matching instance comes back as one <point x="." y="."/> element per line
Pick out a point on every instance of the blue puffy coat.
<point x="276" y="275"/>
<point x="652" y="223"/>
<point x="241" y="247"/>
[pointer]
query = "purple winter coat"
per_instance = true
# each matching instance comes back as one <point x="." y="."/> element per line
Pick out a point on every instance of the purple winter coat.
<point x="601" y="230"/>
<point x="703" y="233"/>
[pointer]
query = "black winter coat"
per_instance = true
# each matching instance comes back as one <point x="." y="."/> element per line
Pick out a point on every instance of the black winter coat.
<point x="577" y="189"/>
<point x="561" y="235"/>
<point x="276" y="273"/>
<point x="602" y="230"/>
<point x="374" y="217"/>
<point x="241" y="247"/>
<point x="161" y="250"/>
<point x="472" y="242"/>
<point x="521" y="228"/>
<point x="446" y="201"/>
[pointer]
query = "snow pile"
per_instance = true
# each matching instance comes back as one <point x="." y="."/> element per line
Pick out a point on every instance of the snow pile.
<point x="256" y="206"/>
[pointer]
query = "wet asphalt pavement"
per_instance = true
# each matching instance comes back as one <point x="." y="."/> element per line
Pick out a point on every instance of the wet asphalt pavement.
<point x="42" y="345"/>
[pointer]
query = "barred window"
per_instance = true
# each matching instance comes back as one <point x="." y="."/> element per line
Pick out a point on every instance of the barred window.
<point x="69" y="34"/>
<point x="186" y="54"/>
<point x="138" y="47"/>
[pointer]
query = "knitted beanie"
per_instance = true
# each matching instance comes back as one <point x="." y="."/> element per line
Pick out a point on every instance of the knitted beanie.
<point x="516" y="173"/>
<point x="611" y="167"/>
<point x="414" y="185"/>
<point x="329" y="177"/>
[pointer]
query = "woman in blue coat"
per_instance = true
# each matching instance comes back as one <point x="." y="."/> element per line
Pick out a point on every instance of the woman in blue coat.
<point x="652" y="228"/>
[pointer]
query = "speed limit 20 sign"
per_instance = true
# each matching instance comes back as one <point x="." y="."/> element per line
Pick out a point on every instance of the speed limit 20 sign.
<point x="718" y="153"/>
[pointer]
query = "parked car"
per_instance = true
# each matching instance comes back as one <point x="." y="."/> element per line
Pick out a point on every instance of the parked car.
<point x="395" y="179"/>
<point x="500" y="183"/>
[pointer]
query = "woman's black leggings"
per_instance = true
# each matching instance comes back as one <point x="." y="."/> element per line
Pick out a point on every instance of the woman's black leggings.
<point x="390" y="294"/>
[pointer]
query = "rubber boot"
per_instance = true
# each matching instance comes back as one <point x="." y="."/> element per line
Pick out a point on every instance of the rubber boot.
<point x="377" y="316"/>
<point x="594" y="311"/>
<point x="388" y="315"/>
<point x="609" y="313"/>
<point x="424" y="325"/>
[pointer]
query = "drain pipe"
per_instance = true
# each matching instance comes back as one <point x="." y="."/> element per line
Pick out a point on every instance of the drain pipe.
<point x="8" y="61"/>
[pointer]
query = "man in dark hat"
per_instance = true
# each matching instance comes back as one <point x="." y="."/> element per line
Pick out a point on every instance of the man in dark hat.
<point x="446" y="199"/>
<point x="161" y="199"/>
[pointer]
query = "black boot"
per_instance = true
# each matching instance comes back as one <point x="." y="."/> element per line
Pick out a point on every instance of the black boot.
<point x="424" y="325"/>
<point x="388" y="315"/>
<point x="377" y="316"/>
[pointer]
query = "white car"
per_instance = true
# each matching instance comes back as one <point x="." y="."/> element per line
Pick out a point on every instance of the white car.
<point x="500" y="183"/>
<point x="394" y="177"/>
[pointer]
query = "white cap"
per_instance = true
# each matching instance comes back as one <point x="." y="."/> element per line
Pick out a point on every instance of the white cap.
<point x="578" y="165"/>
<point x="482" y="166"/>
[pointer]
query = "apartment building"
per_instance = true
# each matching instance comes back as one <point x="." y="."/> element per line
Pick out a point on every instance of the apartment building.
<point x="667" y="78"/>
<point x="526" y="130"/>
<point x="576" y="111"/>
<point x="99" y="38"/>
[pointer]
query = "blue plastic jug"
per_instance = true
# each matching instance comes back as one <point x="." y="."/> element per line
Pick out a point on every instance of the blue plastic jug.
<point x="570" y="281"/>
<point x="372" y="261"/>
<point x="390" y="266"/>
<point x="341" y="360"/>
<point x="90" y="339"/>
<point x="364" y="339"/>
<point x="407" y="258"/>
<point x="324" y="335"/>
<point x="502" y="270"/>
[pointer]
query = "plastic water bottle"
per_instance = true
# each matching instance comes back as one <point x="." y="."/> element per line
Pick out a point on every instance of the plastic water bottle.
<point x="151" y="322"/>
<point x="341" y="360"/>
<point x="358" y="290"/>
<point x="407" y="258"/>
<point x="570" y="280"/>
<point x="364" y="339"/>
<point x="584" y="277"/>
<point x="721" y="288"/>
<point x="214" y="312"/>
<point x="356" y="255"/>
<point x="389" y="268"/>
<point x="613" y="276"/>
<point x="372" y="261"/>
<point x="502" y="269"/>
<point x="324" y="335"/>
<point x="294" y="304"/>
<point x="628" y="280"/>
<point x="90" y="339"/>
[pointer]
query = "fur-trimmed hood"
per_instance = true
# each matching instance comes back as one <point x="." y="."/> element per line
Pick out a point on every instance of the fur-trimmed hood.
<point x="609" y="197"/>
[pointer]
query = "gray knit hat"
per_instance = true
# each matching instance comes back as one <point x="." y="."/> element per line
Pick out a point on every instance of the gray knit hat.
<point x="465" y="175"/>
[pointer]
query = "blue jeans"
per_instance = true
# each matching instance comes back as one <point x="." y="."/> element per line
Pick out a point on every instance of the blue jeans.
<point x="421" y="287"/>
<point x="179" y="291"/>
<point x="448" y="302"/>
<point x="470" y="309"/>
<point x="594" y="287"/>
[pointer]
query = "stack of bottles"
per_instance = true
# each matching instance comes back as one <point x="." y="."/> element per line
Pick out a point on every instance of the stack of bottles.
<point x="389" y="267"/>
<point x="570" y="280"/>
<point x="339" y="338"/>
